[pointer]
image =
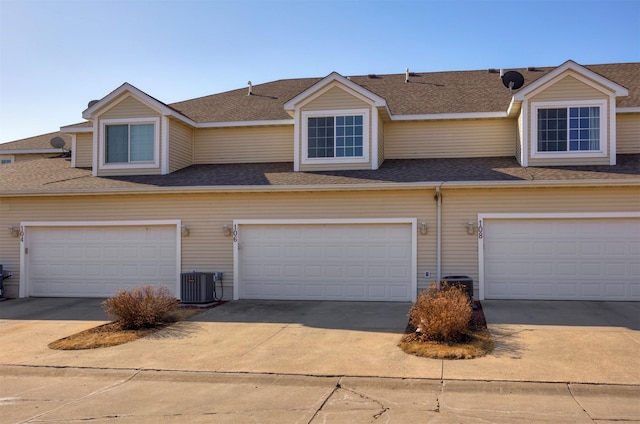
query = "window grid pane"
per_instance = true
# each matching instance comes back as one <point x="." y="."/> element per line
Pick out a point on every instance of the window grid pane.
<point x="584" y="128"/>
<point x="552" y="130"/>
<point x="320" y="137"/>
<point x="349" y="138"/>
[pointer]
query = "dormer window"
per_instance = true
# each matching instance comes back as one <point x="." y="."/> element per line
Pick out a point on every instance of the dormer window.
<point x="130" y="143"/>
<point x="575" y="129"/>
<point x="335" y="136"/>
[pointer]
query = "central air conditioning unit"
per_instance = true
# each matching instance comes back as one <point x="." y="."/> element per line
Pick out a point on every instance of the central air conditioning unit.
<point x="197" y="287"/>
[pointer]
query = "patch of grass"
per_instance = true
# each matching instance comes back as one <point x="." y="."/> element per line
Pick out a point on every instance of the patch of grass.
<point x="113" y="333"/>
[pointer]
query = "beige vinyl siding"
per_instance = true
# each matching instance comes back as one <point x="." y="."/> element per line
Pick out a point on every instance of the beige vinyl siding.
<point x="446" y="139"/>
<point x="180" y="145"/>
<point x="84" y="150"/>
<point x="129" y="107"/>
<point x="380" y="140"/>
<point x="460" y="250"/>
<point x="243" y="145"/>
<point x="628" y="132"/>
<point x="566" y="90"/>
<point x="206" y="248"/>
<point x="335" y="98"/>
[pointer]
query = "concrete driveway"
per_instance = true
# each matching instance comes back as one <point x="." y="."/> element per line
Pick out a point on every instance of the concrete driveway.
<point x="587" y="342"/>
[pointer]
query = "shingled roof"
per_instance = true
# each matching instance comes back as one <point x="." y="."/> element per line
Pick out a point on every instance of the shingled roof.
<point x="426" y="93"/>
<point x="39" y="142"/>
<point x="56" y="175"/>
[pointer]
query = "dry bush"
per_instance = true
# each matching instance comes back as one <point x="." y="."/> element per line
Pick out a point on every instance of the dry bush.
<point x="142" y="307"/>
<point x="441" y="315"/>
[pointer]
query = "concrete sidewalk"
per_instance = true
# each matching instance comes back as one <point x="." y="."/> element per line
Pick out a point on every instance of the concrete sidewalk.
<point x="51" y="395"/>
<point x="313" y="362"/>
<point x="344" y="338"/>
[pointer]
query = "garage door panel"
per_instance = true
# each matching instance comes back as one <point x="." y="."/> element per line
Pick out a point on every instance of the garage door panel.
<point x="590" y="259"/>
<point x="97" y="262"/>
<point x="325" y="261"/>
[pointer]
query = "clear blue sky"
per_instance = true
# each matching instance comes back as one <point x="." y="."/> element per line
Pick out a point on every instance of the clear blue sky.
<point x="57" y="55"/>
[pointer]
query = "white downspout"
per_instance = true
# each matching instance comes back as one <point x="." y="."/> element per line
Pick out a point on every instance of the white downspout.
<point x="439" y="234"/>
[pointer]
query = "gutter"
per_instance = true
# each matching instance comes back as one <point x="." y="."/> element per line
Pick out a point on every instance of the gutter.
<point x="632" y="182"/>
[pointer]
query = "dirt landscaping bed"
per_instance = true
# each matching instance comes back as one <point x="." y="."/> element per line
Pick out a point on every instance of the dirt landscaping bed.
<point x="112" y="333"/>
<point x="477" y="342"/>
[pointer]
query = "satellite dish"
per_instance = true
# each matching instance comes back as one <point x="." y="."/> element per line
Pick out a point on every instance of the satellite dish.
<point x="92" y="102"/>
<point x="513" y="80"/>
<point x="57" y="142"/>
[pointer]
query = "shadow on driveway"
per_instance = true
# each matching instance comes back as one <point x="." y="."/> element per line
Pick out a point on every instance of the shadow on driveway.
<point x="563" y="313"/>
<point x="53" y="309"/>
<point x="362" y="316"/>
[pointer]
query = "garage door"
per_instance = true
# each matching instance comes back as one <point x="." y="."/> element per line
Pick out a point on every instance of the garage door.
<point x="361" y="262"/>
<point x="562" y="259"/>
<point x="98" y="261"/>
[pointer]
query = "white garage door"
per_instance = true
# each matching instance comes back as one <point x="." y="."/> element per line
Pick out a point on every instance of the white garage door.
<point x="98" y="261"/>
<point x="364" y="262"/>
<point x="562" y="259"/>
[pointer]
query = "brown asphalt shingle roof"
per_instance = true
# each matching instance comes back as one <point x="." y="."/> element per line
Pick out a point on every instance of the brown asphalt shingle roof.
<point x="37" y="142"/>
<point x="49" y="175"/>
<point x="426" y="93"/>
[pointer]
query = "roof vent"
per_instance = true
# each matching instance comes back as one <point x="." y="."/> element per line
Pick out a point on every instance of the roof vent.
<point x="92" y="102"/>
<point x="372" y="76"/>
<point x="250" y="88"/>
<point x="406" y="75"/>
<point x="501" y="72"/>
<point x="532" y="68"/>
<point x="492" y="70"/>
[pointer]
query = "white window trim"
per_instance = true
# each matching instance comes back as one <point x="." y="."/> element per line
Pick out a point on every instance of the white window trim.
<point x="366" y="141"/>
<point x="131" y="165"/>
<point x="604" y="122"/>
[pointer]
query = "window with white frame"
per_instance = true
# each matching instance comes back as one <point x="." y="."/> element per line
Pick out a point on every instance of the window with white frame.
<point x="569" y="128"/>
<point x="335" y="136"/>
<point x="130" y="143"/>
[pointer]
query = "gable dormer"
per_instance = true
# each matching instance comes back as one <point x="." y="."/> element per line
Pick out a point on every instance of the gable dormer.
<point x="568" y="117"/>
<point x="336" y="126"/>
<point x="131" y="132"/>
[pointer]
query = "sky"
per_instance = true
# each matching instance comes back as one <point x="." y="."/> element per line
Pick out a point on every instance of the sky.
<point x="57" y="55"/>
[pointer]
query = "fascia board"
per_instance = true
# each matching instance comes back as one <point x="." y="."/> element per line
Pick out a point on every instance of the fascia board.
<point x="441" y="116"/>
<point x="155" y="104"/>
<point x="581" y="70"/>
<point x="334" y="76"/>
<point x="29" y="151"/>
<point x="244" y="123"/>
<point x="333" y="187"/>
<point x="72" y="130"/>
<point x="628" y="109"/>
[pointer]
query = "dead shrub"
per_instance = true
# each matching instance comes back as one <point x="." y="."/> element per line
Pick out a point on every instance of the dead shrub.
<point x="441" y="315"/>
<point x="142" y="307"/>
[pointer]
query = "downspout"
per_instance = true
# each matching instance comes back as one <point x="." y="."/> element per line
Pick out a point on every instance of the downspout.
<point x="438" y="198"/>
